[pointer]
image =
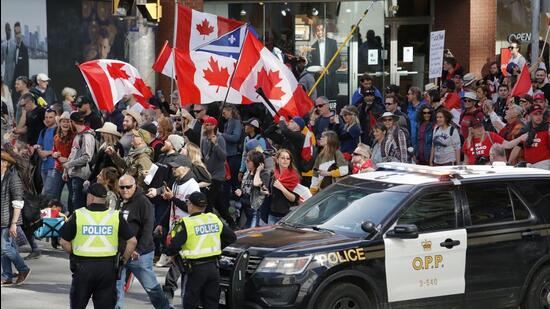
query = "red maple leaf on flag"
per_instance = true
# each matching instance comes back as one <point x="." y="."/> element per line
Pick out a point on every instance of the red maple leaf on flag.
<point x="268" y="82"/>
<point x="116" y="71"/>
<point x="204" y="28"/>
<point x="215" y="75"/>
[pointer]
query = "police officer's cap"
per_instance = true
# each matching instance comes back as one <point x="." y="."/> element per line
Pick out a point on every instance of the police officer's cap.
<point x="198" y="199"/>
<point x="97" y="190"/>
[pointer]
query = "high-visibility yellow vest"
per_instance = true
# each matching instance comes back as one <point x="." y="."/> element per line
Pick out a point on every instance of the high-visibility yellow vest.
<point x="203" y="236"/>
<point x="96" y="233"/>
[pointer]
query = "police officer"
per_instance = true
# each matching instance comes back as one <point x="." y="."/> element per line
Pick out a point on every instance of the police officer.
<point x="92" y="235"/>
<point x="199" y="240"/>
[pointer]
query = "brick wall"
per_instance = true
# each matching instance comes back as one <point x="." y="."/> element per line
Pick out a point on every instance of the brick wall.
<point x="165" y="32"/>
<point x="470" y="30"/>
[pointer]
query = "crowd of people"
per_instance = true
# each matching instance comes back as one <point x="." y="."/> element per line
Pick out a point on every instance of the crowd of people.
<point x="252" y="167"/>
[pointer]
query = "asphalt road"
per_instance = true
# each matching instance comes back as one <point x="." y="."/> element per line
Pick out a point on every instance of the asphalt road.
<point x="50" y="280"/>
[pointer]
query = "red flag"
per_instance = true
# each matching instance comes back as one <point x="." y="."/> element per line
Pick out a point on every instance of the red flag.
<point x="523" y="84"/>
<point x="165" y="61"/>
<point x="109" y="80"/>
<point x="196" y="29"/>
<point x="259" y="68"/>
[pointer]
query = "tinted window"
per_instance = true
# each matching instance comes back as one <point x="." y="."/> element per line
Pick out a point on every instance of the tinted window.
<point x="535" y="191"/>
<point x="431" y="212"/>
<point x="494" y="203"/>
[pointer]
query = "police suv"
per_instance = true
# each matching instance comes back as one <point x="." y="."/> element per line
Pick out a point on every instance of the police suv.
<point x="404" y="236"/>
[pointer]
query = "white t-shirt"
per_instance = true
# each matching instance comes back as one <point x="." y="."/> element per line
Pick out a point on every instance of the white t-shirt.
<point x="181" y="192"/>
<point x="445" y="145"/>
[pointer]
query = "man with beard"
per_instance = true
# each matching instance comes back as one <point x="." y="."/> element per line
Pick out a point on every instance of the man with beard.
<point x="541" y="83"/>
<point x="132" y="121"/>
<point x="138" y="161"/>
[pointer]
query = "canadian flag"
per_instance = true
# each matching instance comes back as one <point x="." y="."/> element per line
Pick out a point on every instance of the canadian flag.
<point x="164" y="63"/>
<point x="204" y="74"/>
<point x="195" y="29"/>
<point x="109" y="80"/>
<point x="523" y="84"/>
<point x="259" y="68"/>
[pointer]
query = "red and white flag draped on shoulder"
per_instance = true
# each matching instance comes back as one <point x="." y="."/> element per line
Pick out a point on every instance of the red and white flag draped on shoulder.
<point x="259" y="68"/>
<point x="109" y="80"/>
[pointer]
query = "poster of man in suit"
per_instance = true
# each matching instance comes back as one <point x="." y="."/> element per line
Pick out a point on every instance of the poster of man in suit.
<point x="322" y="51"/>
<point x="24" y="40"/>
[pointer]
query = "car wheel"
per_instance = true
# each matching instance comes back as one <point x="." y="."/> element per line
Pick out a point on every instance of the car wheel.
<point x="344" y="296"/>
<point x="538" y="294"/>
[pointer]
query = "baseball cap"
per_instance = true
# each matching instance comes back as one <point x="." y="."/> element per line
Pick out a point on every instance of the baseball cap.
<point x="536" y="108"/>
<point x="97" y="190"/>
<point x="538" y="96"/>
<point x="252" y="122"/>
<point x="151" y="128"/>
<point x="210" y="120"/>
<point x="77" y="117"/>
<point x="180" y="160"/>
<point x="83" y="100"/>
<point x="476" y="122"/>
<point x="42" y="77"/>
<point x="299" y="121"/>
<point x="177" y="141"/>
<point x="198" y="199"/>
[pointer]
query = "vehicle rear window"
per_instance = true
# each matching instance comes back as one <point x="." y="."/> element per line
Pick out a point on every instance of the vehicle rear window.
<point x="495" y="203"/>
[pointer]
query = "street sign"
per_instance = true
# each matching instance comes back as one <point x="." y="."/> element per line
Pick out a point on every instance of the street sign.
<point x="437" y="43"/>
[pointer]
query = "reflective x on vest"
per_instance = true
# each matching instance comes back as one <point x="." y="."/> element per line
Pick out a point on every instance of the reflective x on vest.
<point x="93" y="230"/>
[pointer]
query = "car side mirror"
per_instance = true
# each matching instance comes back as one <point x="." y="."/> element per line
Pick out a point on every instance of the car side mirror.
<point x="403" y="231"/>
<point x="369" y="227"/>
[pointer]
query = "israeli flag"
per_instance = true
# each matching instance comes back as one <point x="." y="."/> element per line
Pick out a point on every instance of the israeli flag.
<point x="228" y="45"/>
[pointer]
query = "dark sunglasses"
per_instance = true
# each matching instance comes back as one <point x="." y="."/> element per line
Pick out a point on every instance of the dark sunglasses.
<point x="523" y="101"/>
<point x="356" y="154"/>
<point x="389" y="103"/>
<point x="177" y="119"/>
<point x="320" y="105"/>
<point x="128" y="187"/>
<point x="512" y="47"/>
<point x="197" y="111"/>
<point x="468" y="100"/>
<point x="427" y="113"/>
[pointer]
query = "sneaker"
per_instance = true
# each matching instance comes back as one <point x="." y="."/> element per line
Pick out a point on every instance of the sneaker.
<point x="22" y="277"/>
<point x="33" y="255"/>
<point x="6" y="282"/>
<point x="163" y="261"/>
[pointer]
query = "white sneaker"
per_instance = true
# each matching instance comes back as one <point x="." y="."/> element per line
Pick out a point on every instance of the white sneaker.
<point x="163" y="261"/>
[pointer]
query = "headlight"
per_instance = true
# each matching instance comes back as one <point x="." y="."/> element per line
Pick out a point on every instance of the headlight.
<point x="287" y="266"/>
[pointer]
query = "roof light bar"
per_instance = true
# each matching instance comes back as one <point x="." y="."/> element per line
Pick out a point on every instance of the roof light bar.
<point x="420" y="169"/>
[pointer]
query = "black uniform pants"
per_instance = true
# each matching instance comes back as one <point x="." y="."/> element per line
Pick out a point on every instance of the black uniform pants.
<point x="96" y="279"/>
<point x="202" y="286"/>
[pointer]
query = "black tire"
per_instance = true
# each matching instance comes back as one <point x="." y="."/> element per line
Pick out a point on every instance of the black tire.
<point x="538" y="294"/>
<point x="343" y="296"/>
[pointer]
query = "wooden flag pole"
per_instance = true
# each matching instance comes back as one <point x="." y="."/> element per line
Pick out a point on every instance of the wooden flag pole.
<point x="325" y="70"/>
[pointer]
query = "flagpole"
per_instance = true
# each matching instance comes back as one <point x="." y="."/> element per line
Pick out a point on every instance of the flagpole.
<point x="234" y="70"/>
<point x="325" y="70"/>
<point x="545" y="40"/>
<point x="174" y="51"/>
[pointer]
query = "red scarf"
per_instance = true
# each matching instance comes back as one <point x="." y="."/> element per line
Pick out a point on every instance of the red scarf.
<point x="358" y="169"/>
<point x="289" y="178"/>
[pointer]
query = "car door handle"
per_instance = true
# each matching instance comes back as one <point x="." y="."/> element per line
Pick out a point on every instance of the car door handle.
<point x="449" y="243"/>
<point x="530" y="233"/>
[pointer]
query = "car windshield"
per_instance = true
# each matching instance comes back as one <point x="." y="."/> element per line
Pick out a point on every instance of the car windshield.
<point x="342" y="209"/>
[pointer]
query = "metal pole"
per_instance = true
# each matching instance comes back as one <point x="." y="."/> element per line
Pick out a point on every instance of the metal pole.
<point x="535" y="22"/>
<point x="173" y="50"/>
<point x="325" y="70"/>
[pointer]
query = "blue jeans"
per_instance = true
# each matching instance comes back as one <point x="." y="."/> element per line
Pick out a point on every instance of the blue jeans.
<point x="273" y="219"/>
<point x="252" y="217"/>
<point x="78" y="197"/>
<point x="10" y="255"/>
<point x="53" y="185"/>
<point x="143" y="271"/>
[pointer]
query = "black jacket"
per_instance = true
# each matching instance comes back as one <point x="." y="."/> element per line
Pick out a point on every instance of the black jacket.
<point x="138" y="212"/>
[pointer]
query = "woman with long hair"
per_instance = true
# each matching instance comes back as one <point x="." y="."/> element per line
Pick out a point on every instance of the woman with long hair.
<point x="379" y="133"/>
<point x="329" y="164"/>
<point x="108" y="177"/>
<point x="110" y="137"/>
<point x="349" y="132"/>
<point x="445" y="140"/>
<point x="253" y="190"/>
<point x="284" y="181"/>
<point x="202" y="175"/>
<point x="424" y="133"/>
<point x="165" y="128"/>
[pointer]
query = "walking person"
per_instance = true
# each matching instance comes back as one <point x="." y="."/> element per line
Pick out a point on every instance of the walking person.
<point x="93" y="262"/>
<point x="138" y="212"/>
<point x="199" y="241"/>
<point x="12" y="203"/>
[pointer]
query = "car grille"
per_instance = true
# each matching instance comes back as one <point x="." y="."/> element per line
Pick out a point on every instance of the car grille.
<point x="253" y="263"/>
<point x="229" y="259"/>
